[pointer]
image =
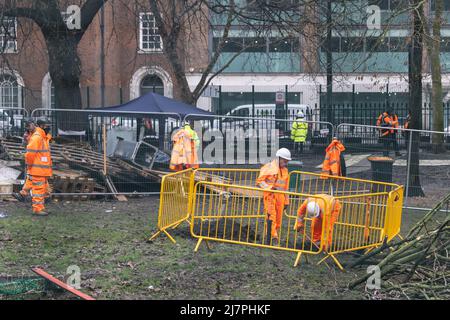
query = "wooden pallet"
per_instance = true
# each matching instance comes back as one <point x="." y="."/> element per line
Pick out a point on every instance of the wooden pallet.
<point x="73" y="185"/>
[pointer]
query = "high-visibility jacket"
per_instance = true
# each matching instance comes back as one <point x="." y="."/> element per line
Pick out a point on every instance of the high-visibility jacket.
<point x="385" y="120"/>
<point x="272" y="177"/>
<point x="184" y="151"/>
<point x="299" y="130"/>
<point x="37" y="156"/>
<point x="193" y="134"/>
<point x="329" y="209"/>
<point x="334" y="163"/>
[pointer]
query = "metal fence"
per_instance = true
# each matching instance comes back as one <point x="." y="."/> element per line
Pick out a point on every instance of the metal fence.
<point x="416" y="164"/>
<point x="129" y="148"/>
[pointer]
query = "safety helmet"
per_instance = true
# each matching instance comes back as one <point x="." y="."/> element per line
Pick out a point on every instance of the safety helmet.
<point x="284" y="153"/>
<point x="313" y="209"/>
<point x="300" y="114"/>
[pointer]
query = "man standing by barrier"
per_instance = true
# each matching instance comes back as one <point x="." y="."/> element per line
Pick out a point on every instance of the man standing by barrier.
<point x="388" y="120"/>
<point x="299" y="132"/>
<point x="275" y="176"/>
<point x="39" y="166"/>
<point x="184" y="152"/>
<point x="319" y="210"/>
<point x="334" y="163"/>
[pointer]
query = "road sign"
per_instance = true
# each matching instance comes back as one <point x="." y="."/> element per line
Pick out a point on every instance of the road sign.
<point x="280" y="97"/>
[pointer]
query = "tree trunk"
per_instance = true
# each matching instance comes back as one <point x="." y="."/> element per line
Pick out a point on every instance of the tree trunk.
<point x="436" y="78"/>
<point x="65" y="70"/>
<point x="330" y="115"/>
<point x="415" y="97"/>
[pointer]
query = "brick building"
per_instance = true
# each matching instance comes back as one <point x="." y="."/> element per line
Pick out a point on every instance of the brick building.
<point x="135" y="63"/>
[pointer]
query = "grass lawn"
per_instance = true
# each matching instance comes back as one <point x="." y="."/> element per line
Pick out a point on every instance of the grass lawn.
<point x="107" y="240"/>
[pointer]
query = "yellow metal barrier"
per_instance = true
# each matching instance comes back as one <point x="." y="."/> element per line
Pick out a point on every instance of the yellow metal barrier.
<point x="176" y="191"/>
<point x="235" y="214"/>
<point x="240" y="177"/>
<point x="225" y="206"/>
<point x="394" y="217"/>
<point x="314" y="183"/>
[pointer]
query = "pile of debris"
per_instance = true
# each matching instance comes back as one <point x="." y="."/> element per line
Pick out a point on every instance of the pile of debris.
<point x="417" y="266"/>
<point x="77" y="169"/>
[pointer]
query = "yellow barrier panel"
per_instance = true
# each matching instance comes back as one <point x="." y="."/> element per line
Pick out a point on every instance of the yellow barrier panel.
<point x="225" y="206"/>
<point x="235" y="214"/>
<point x="240" y="177"/>
<point x="394" y="217"/>
<point x="370" y="210"/>
<point x="314" y="183"/>
<point x="176" y="190"/>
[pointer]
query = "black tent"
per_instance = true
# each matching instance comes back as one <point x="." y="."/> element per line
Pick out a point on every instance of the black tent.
<point x="154" y="103"/>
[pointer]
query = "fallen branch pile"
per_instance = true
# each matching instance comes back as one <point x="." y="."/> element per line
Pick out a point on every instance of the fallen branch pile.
<point x="417" y="266"/>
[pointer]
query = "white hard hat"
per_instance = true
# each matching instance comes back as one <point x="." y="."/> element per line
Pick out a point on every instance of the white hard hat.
<point x="300" y="114"/>
<point x="284" y="153"/>
<point x="313" y="209"/>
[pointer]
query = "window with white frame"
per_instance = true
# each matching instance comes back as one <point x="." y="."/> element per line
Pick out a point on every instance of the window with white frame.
<point x="9" y="92"/>
<point x="149" y="37"/>
<point x="8" y="37"/>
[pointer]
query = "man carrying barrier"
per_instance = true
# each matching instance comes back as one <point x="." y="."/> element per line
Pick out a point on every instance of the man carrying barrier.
<point x="184" y="152"/>
<point x="275" y="176"/>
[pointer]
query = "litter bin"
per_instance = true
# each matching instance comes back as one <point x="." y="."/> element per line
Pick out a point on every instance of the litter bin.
<point x="381" y="168"/>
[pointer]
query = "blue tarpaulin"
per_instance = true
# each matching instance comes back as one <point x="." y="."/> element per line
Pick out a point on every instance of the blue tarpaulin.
<point x="153" y="102"/>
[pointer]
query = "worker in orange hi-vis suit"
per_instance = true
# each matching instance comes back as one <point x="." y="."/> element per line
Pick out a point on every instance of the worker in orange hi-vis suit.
<point x="275" y="176"/>
<point x="334" y="163"/>
<point x="184" y="152"/>
<point x="39" y="166"/>
<point x="319" y="209"/>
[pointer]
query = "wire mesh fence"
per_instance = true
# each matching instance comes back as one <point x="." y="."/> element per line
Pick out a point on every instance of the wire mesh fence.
<point x="98" y="153"/>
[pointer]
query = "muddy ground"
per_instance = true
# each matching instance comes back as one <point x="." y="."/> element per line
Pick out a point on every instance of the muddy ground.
<point x="107" y="240"/>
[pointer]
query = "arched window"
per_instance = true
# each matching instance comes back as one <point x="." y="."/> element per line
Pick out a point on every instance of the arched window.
<point x="9" y="92"/>
<point x="152" y="83"/>
<point x="48" y="92"/>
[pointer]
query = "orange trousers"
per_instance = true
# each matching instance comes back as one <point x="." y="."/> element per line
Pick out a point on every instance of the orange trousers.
<point x="39" y="191"/>
<point x="274" y="207"/>
<point x="28" y="186"/>
<point x="316" y="228"/>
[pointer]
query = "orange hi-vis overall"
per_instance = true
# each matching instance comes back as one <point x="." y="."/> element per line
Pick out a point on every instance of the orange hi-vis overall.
<point x="39" y="167"/>
<point x="28" y="186"/>
<point x="329" y="209"/>
<point x="385" y="119"/>
<point x="272" y="177"/>
<point x="332" y="163"/>
<point x="184" y="152"/>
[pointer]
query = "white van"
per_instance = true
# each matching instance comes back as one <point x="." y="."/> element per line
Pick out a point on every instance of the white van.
<point x="268" y="110"/>
<point x="264" y="111"/>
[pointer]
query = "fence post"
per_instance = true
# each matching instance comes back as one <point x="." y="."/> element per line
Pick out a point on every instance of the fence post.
<point x="408" y="169"/>
<point x="104" y="148"/>
<point x="253" y="105"/>
<point x="353" y="107"/>
<point x="88" y="97"/>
